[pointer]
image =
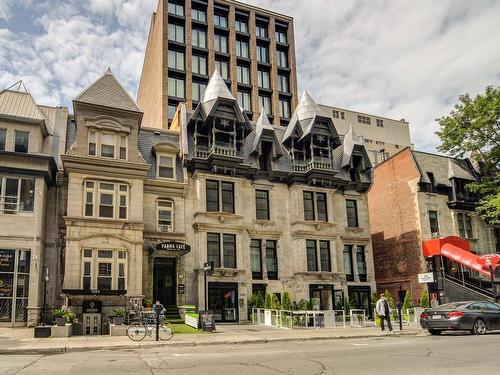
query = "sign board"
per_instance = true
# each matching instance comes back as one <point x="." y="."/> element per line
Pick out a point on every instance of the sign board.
<point x="207" y="321"/>
<point x="92" y="307"/>
<point x="179" y="247"/>
<point x="180" y="288"/>
<point x="489" y="259"/>
<point x="424" y="278"/>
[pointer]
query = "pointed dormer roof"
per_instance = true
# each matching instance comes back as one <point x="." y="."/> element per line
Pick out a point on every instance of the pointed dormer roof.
<point x="303" y="117"/>
<point x="264" y="126"/>
<point x="17" y="103"/>
<point x="351" y="139"/>
<point x="108" y="92"/>
<point x="216" y="89"/>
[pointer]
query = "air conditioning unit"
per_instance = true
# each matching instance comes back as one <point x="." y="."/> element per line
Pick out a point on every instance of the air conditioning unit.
<point x="165" y="228"/>
<point x="435" y="235"/>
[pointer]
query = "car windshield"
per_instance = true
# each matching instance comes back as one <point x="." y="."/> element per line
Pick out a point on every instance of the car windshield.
<point x="450" y="306"/>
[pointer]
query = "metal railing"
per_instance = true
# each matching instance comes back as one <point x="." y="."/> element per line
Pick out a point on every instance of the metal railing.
<point x="219" y="148"/>
<point x="301" y="319"/>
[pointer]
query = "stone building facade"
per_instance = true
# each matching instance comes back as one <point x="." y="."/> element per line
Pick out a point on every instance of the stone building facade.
<point x="417" y="196"/>
<point x="31" y="137"/>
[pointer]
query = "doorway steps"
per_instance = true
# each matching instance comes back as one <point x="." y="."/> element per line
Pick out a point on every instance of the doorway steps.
<point x="172" y="314"/>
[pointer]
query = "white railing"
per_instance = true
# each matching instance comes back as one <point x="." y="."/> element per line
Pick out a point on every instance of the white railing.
<point x="313" y="163"/>
<point x="299" y="319"/>
<point x="357" y="318"/>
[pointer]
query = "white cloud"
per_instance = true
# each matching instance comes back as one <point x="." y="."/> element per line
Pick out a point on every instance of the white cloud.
<point x="398" y="59"/>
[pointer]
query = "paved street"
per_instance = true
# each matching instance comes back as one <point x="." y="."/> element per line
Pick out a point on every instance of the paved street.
<point x="465" y="354"/>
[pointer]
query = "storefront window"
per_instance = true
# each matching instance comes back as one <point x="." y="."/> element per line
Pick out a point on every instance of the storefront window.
<point x="14" y="283"/>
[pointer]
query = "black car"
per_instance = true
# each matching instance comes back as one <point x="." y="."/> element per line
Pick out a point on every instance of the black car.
<point x="477" y="317"/>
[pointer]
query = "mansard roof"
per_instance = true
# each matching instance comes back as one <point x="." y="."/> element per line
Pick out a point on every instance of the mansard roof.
<point x="351" y="140"/>
<point x="304" y="118"/>
<point x="108" y="92"/>
<point x="263" y="126"/>
<point x="443" y="168"/>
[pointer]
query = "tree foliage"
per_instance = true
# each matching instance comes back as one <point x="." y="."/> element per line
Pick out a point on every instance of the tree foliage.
<point x="472" y="129"/>
<point x="286" y="303"/>
<point x="390" y="299"/>
<point x="407" y="303"/>
<point x="424" y="300"/>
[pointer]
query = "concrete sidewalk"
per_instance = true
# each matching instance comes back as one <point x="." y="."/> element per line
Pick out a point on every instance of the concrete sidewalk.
<point x="21" y="341"/>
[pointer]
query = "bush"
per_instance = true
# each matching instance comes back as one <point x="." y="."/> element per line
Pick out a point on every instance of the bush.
<point x="275" y="302"/>
<point x="286" y="303"/>
<point x="390" y="299"/>
<point x="407" y="303"/>
<point x="260" y="300"/>
<point x="424" y="300"/>
<point x="302" y="305"/>
<point x="118" y="313"/>
<point x="268" y="301"/>
<point x="295" y="306"/>
<point x="347" y="305"/>
<point x="58" y="313"/>
<point x="69" y="316"/>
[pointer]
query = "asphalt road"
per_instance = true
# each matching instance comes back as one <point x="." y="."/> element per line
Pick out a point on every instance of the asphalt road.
<point x="457" y="354"/>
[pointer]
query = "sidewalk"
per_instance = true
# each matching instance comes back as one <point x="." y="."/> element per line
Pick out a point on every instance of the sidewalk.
<point x="21" y="341"/>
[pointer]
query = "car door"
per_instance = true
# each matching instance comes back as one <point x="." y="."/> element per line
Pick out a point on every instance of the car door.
<point x="494" y="314"/>
<point x="490" y="316"/>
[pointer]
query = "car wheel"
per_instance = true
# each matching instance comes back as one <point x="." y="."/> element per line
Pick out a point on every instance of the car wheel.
<point x="435" y="332"/>
<point x="479" y="327"/>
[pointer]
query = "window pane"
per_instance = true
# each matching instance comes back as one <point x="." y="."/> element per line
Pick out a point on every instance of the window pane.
<point x="308" y="206"/>
<point x="433" y="221"/>
<point x="106" y="205"/>
<point x="3" y="137"/>
<point x="229" y="243"/>
<point x="11" y="195"/>
<point x="352" y="213"/>
<point x="324" y="249"/>
<point x="255" y="258"/>
<point x="105" y="254"/>
<point x="348" y="262"/>
<point x="213" y="249"/>
<point x="23" y="262"/>
<point x="222" y="68"/>
<point x="271" y="260"/>
<point x="262" y="204"/>
<point x="361" y="263"/>
<point x="166" y="167"/>
<point x="21" y="141"/>
<point x="321" y="206"/>
<point x="87" y="253"/>
<point x="312" y="262"/>
<point x="26" y="201"/>
<point x="8" y="260"/>
<point x="212" y="191"/>
<point x="228" y="197"/>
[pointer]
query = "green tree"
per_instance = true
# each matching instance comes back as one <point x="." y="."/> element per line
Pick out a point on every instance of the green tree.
<point x="424" y="300"/>
<point x="286" y="303"/>
<point x="472" y="129"/>
<point x="407" y="303"/>
<point x="302" y="304"/>
<point x="275" y="302"/>
<point x="268" y="301"/>
<point x="260" y="300"/>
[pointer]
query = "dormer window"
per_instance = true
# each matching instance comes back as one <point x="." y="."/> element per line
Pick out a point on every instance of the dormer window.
<point x="105" y="144"/>
<point x="166" y="166"/>
<point x="357" y="162"/>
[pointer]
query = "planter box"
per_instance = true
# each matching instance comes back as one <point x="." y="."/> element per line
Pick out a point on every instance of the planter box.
<point x="117" y="330"/>
<point x="191" y="321"/>
<point x="41" y="331"/>
<point x="60" y="321"/>
<point x="61" y="331"/>
<point x="118" y="320"/>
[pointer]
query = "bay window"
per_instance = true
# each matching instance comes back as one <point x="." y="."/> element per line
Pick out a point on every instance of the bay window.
<point x="104" y="269"/>
<point x="17" y="195"/>
<point x="105" y="200"/>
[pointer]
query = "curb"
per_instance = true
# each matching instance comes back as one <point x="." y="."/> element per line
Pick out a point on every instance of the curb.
<point x="173" y="344"/>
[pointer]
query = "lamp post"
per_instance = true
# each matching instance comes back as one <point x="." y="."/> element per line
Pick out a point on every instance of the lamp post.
<point x="45" y="281"/>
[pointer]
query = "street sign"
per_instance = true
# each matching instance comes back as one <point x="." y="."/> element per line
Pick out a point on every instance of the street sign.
<point x="180" y="289"/>
<point x="424" y="278"/>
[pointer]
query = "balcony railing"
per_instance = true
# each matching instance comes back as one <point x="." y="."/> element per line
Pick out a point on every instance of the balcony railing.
<point x="219" y="148"/>
<point x="316" y="162"/>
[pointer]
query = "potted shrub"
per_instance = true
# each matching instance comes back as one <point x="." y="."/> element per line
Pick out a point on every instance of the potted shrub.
<point x="117" y="315"/>
<point x="59" y="317"/>
<point x="147" y="302"/>
<point x="69" y="317"/>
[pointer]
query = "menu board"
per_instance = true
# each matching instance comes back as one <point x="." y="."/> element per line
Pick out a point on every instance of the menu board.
<point x="7" y="258"/>
<point x="207" y="321"/>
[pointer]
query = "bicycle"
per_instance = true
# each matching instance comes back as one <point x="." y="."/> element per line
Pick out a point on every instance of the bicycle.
<point x="139" y="330"/>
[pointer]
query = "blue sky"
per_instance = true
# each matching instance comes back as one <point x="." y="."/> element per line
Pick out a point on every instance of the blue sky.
<point x="400" y="59"/>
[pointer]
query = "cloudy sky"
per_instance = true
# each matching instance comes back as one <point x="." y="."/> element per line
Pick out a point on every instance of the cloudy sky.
<point x="401" y="59"/>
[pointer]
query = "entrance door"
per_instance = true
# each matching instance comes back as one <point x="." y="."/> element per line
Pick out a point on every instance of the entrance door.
<point x="360" y="298"/>
<point x="223" y="301"/>
<point x="164" y="281"/>
<point x="322" y="296"/>
<point x="91" y="324"/>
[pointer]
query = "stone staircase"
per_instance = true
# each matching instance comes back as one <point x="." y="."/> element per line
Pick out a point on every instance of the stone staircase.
<point x="172" y="314"/>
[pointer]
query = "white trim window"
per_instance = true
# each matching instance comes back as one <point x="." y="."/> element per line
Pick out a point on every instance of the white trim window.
<point x="17" y="195"/>
<point x="165" y="215"/>
<point x="104" y="269"/>
<point x="106" y="200"/>
<point x="165" y="166"/>
<point x="107" y="145"/>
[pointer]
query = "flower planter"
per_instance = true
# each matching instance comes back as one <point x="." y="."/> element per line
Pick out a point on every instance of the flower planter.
<point x="60" y="321"/>
<point x="118" y="320"/>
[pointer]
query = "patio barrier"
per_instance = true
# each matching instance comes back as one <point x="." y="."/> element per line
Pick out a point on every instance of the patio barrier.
<point x="301" y="319"/>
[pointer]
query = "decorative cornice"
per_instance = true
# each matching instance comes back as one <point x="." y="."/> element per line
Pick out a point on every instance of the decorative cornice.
<point x="265" y="233"/>
<point x="301" y="234"/>
<point x="92" y="222"/>
<point x="352" y="239"/>
<point x="163" y="187"/>
<point x="109" y="167"/>
<point x="206" y="227"/>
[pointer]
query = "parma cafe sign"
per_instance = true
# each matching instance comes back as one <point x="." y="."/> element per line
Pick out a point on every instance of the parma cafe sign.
<point x="177" y="247"/>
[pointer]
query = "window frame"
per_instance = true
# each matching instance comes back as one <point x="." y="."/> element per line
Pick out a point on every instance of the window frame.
<point x="218" y="39"/>
<point x="3" y="139"/>
<point x="196" y="40"/>
<point x="120" y="189"/>
<point x="171" y="209"/>
<point x="176" y="59"/>
<point x="15" y="201"/>
<point x="243" y="74"/>
<point x="16" y="132"/>
<point x="221" y="205"/>
<point x="256" y="274"/>
<point x="355" y="208"/>
<point x="348" y="251"/>
<point x="267" y="211"/>
<point x="201" y="62"/>
<point x="176" y="37"/>
<point x="244" y="98"/>
<point x="174" y="83"/>
<point x="361" y="263"/>
<point x="433" y="216"/>
<point x="242" y="49"/>
<point x="120" y="144"/>
<point x="312" y="256"/>
<point x="272" y="275"/>
<point x="119" y="256"/>
<point x="159" y="166"/>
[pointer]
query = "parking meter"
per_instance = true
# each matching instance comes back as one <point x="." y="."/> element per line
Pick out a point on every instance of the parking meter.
<point x="158" y="309"/>
<point x="399" y="307"/>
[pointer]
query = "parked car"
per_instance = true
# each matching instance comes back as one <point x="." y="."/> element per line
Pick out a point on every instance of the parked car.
<point x="477" y="317"/>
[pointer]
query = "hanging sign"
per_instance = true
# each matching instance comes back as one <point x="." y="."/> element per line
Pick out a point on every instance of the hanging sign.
<point x="424" y="278"/>
<point x="179" y="247"/>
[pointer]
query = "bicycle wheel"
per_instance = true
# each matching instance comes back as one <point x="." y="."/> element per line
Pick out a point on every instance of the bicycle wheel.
<point x="166" y="331"/>
<point x="136" y="331"/>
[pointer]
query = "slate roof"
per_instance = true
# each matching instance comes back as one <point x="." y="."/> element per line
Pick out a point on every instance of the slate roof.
<point x="350" y="140"/>
<point x="442" y="167"/>
<point x="108" y="92"/>
<point x="216" y="89"/>
<point x="264" y="126"/>
<point x="147" y="140"/>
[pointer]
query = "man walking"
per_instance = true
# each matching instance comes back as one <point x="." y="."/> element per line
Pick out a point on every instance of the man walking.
<point x="382" y="310"/>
